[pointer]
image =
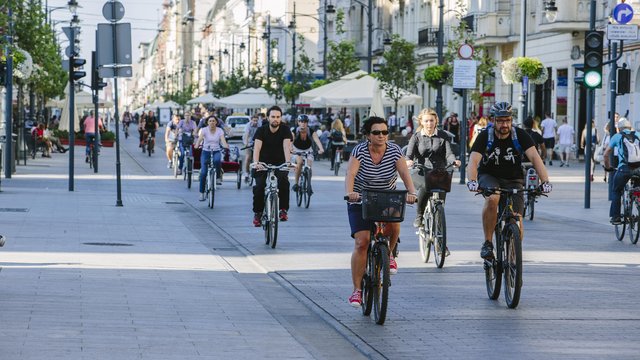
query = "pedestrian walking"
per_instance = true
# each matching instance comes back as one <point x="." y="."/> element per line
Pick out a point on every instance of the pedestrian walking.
<point x="549" y="136"/>
<point x="565" y="140"/>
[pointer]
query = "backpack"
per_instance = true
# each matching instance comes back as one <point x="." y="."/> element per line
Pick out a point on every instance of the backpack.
<point x="514" y="139"/>
<point x="631" y="148"/>
<point x="336" y="136"/>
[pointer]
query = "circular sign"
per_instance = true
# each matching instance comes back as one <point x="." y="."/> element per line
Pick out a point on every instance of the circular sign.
<point x="113" y="11"/>
<point x="623" y="13"/>
<point x="465" y="51"/>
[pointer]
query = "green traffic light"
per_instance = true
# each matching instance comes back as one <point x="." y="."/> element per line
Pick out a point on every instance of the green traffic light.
<point x="593" y="79"/>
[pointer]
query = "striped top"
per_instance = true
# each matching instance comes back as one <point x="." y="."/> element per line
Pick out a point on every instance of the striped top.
<point x="380" y="176"/>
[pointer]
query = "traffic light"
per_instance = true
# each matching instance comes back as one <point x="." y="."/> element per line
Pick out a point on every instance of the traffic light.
<point x="623" y="81"/>
<point x="3" y="73"/>
<point x="593" y="42"/>
<point x="78" y="74"/>
<point x="97" y="83"/>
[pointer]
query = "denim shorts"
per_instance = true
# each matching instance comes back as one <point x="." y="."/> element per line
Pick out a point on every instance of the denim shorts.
<point x="356" y="221"/>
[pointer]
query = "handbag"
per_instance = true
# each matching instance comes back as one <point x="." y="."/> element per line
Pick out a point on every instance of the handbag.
<point x="598" y="154"/>
<point x="439" y="179"/>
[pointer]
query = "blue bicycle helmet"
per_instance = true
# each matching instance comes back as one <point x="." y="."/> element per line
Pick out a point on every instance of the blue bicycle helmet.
<point x="501" y="109"/>
<point x="303" y="117"/>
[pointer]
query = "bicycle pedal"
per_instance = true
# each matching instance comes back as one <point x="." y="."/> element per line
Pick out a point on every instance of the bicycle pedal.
<point x="487" y="264"/>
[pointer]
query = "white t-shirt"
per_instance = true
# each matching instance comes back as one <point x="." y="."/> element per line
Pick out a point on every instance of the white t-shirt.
<point x="548" y="128"/>
<point x="211" y="139"/>
<point x="565" y="133"/>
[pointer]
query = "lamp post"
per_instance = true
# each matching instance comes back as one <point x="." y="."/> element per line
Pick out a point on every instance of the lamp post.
<point x="8" y="147"/>
<point x="328" y="9"/>
<point x="440" y="58"/>
<point x="292" y="27"/>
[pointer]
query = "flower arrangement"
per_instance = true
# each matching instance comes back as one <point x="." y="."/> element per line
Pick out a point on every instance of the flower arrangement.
<point x="514" y="69"/>
<point x="24" y="64"/>
<point x="437" y="74"/>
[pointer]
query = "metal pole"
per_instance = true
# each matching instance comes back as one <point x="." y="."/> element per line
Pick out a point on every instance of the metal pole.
<point x="369" y="39"/>
<point x="440" y="59"/>
<point x="324" y="44"/>
<point x="268" y="46"/>
<point x="249" y="58"/>
<point x="115" y="104"/>
<point x="8" y="147"/>
<point x="590" y="113"/>
<point x="96" y="143"/>
<point x="523" y="52"/>
<point x="463" y="138"/>
<point x="613" y="93"/>
<point x="219" y="64"/>
<point x="293" y="59"/>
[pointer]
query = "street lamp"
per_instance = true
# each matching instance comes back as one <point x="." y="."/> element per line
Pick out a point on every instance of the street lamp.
<point x="369" y="9"/>
<point x="551" y="11"/>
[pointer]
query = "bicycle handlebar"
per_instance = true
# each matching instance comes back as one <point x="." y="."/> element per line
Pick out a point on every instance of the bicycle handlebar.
<point x="497" y="190"/>
<point x="283" y="166"/>
<point x="421" y="166"/>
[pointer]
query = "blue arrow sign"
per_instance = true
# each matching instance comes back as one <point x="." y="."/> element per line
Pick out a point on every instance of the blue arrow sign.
<point x="623" y="13"/>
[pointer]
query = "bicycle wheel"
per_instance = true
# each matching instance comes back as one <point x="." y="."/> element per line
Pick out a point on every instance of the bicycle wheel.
<point x="440" y="236"/>
<point x="532" y="204"/>
<point x="336" y="164"/>
<point x="512" y="265"/>
<point x="307" y="189"/>
<point x="366" y="285"/>
<point x="273" y="221"/>
<point x="150" y="147"/>
<point x="91" y="158"/>
<point x="266" y="216"/>
<point x="300" y="190"/>
<point x="620" y="228"/>
<point x="189" y="172"/>
<point x="211" y="189"/>
<point x="634" y="227"/>
<point x="380" y="282"/>
<point x="493" y="274"/>
<point x="174" y="163"/>
<point x="423" y="236"/>
<point x="239" y="177"/>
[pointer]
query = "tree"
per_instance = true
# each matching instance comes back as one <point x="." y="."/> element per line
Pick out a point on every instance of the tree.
<point x="276" y="81"/>
<point x="303" y="75"/>
<point x="342" y="59"/>
<point x="398" y="74"/>
<point x="182" y="96"/>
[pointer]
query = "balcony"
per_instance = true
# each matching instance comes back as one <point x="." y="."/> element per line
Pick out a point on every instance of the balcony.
<point x="428" y="37"/>
<point x="492" y="28"/>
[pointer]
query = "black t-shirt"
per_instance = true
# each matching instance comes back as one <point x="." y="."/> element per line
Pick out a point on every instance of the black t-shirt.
<point x="537" y="140"/>
<point x="502" y="161"/>
<point x="272" y="152"/>
<point x="150" y="123"/>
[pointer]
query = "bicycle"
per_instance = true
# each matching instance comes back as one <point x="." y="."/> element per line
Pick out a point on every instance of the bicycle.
<point x="380" y="206"/>
<point x="433" y="232"/>
<point x="630" y="211"/>
<point x="508" y="248"/>
<point x="211" y="181"/>
<point x="337" y="162"/>
<point x="148" y="144"/>
<point x="125" y="128"/>
<point x="271" y="203"/>
<point x="531" y="182"/>
<point x="304" y="192"/>
<point x="188" y="159"/>
<point x="175" y="159"/>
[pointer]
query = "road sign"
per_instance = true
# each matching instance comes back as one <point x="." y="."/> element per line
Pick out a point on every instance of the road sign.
<point x="69" y="31"/>
<point x="104" y="44"/>
<point x="109" y="13"/>
<point x="465" y="51"/>
<point x="622" y="32"/>
<point x="623" y="13"/>
<point x="464" y="74"/>
<point x="110" y="72"/>
<point x="69" y="51"/>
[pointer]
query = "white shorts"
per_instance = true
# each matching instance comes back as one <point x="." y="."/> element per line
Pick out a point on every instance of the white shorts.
<point x="294" y="157"/>
<point x="564" y="148"/>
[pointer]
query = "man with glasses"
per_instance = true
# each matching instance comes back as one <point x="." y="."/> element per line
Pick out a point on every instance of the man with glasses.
<point x="496" y="161"/>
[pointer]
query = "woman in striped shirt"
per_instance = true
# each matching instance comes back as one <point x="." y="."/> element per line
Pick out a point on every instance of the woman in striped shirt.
<point x="374" y="164"/>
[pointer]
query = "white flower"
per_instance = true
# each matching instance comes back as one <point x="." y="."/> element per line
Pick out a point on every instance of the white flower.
<point x="512" y="72"/>
<point x="24" y="69"/>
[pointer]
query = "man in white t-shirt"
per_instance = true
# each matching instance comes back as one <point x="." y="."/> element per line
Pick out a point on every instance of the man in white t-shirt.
<point x="549" y="136"/>
<point x="565" y="139"/>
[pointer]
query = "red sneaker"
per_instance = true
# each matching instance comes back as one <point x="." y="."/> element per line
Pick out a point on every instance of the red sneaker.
<point x="356" y="298"/>
<point x="283" y="215"/>
<point x="393" y="266"/>
<point x="256" y="220"/>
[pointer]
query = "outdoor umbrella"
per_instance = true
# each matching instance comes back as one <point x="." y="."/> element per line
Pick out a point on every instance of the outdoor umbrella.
<point x="377" y="109"/>
<point x="307" y="96"/>
<point x="359" y="93"/>
<point x="203" y="99"/>
<point x="64" y="115"/>
<point x="248" y="98"/>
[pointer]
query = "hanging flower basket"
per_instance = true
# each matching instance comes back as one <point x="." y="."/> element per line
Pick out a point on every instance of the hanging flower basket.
<point x="436" y="75"/>
<point x="514" y="69"/>
<point x="24" y="65"/>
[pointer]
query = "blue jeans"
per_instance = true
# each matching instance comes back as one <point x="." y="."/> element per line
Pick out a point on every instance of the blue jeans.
<point x="88" y="137"/>
<point x="620" y="179"/>
<point x="204" y="164"/>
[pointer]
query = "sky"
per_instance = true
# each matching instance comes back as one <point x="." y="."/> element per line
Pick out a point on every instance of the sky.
<point x="144" y="15"/>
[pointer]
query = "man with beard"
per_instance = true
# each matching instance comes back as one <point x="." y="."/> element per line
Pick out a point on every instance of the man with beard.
<point x="272" y="145"/>
<point x="496" y="161"/>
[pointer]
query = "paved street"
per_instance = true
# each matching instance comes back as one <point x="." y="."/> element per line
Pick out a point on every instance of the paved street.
<point x="165" y="277"/>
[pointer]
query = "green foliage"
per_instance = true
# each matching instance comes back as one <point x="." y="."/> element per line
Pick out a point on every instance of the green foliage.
<point x="108" y="135"/>
<point x="436" y="74"/>
<point x="340" y="22"/>
<point x="399" y="70"/>
<point x="318" y="83"/>
<point x="341" y="59"/>
<point x="275" y="82"/>
<point x="182" y="96"/>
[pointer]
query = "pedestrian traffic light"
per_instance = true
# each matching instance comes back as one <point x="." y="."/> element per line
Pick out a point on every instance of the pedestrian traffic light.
<point x="3" y="73"/>
<point x="593" y="42"/>
<point x="78" y="74"/>
<point x="97" y="83"/>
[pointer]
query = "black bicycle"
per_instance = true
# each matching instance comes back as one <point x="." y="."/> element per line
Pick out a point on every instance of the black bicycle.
<point x="303" y="192"/>
<point x="187" y="145"/>
<point x="630" y="216"/>
<point x="508" y="248"/>
<point x="532" y="181"/>
<point x="380" y="206"/>
<point x="271" y="203"/>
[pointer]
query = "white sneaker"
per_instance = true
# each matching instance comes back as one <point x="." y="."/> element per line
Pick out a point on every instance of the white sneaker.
<point x="169" y="165"/>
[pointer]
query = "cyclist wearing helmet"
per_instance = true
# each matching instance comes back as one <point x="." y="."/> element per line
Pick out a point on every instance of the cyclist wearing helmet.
<point x="496" y="161"/>
<point x="302" y="141"/>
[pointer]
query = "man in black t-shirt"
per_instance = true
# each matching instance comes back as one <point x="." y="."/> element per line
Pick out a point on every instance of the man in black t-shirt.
<point x="496" y="161"/>
<point x="272" y="145"/>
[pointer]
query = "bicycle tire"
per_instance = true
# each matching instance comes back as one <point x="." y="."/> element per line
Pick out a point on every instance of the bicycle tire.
<point x="273" y="222"/>
<point x="174" y="163"/>
<point x="239" y="177"/>
<point x="636" y="215"/>
<point x="265" y="220"/>
<point x="440" y="238"/>
<point x="307" y="189"/>
<point x="423" y="236"/>
<point x="90" y="158"/>
<point x="512" y="265"/>
<point x="336" y="165"/>
<point x="366" y="285"/>
<point x="620" y="228"/>
<point x="189" y="172"/>
<point x="150" y="147"/>
<point x="211" y="189"/>
<point x="300" y="190"/>
<point x="380" y="283"/>
<point x="493" y="273"/>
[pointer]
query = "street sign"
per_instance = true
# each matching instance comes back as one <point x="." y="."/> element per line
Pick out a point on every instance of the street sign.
<point x="69" y="51"/>
<point x="68" y="30"/>
<point x="104" y="44"/>
<point x="464" y="74"/>
<point x="110" y="72"/>
<point x="622" y="32"/>
<point x="623" y="13"/>
<point x="465" y="51"/>
<point x="109" y="13"/>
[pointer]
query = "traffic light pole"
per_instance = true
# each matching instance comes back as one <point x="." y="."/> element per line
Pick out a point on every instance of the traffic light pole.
<point x="8" y="145"/>
<point x="72" y="116"/>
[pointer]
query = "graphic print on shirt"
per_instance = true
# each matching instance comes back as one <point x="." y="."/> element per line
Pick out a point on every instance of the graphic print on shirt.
<point x="495" y="156"/>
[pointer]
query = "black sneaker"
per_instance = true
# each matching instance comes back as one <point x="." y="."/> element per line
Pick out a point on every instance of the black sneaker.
<point x="295" y="187"/>
<point x="615" y="220"/>
<point x="487" y="250"/>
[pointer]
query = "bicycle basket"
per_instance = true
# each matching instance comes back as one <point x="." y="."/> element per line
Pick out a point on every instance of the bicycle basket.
<point x="187" y="140"/>
<point x="383" y="205"/>
<point x="439" y="179"/>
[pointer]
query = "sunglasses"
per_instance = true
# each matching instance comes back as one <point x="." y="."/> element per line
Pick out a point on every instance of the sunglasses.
<point x="380" y="132"/>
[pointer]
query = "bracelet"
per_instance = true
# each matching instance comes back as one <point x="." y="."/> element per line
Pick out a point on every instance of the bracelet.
<point x="414" y="194"/>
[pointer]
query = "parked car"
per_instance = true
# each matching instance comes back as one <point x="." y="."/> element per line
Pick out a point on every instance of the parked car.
<point x="236" y="125"/>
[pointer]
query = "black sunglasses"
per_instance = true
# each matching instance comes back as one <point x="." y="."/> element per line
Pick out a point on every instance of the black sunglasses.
<point x="380" y="132"/>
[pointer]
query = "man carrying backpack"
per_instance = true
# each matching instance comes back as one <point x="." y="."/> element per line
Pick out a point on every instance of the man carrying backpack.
<point x="627" y="143"/>
<point x="496" y="161"/>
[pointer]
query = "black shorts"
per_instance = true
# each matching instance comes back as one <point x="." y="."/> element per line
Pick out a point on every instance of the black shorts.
<point x="490" y="181"/>
<point x="549" y="143"/>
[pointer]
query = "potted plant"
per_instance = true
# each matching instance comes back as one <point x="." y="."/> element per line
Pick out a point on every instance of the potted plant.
<point x="515" y="69"/>
<point x="436" y="75"/>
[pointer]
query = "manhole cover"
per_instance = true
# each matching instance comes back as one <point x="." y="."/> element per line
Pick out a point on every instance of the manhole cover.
<point x="14" y="210"/>
<point x="173" y="202"/>
<point x="106" y="244"/>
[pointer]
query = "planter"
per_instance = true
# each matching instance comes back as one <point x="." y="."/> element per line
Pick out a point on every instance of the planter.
<point x="82" y="142"/>
<point x="515" y="69"/>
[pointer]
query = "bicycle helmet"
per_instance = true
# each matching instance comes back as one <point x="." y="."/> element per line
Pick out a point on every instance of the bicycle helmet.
<point x="501" y="109"/>
<point x="303" y="117"/>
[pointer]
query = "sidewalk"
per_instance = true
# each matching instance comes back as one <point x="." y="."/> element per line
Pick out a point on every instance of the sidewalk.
<point x="84" y="279"/>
